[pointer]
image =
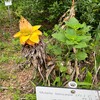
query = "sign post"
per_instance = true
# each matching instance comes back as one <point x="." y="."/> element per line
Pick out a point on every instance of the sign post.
<point x="8" y="3"/>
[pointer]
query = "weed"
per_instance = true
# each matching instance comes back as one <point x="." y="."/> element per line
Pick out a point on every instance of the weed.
<point x="30" y="97"/>
<point x="3" y="75"/>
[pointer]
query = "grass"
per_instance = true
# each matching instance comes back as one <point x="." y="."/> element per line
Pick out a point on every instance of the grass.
<point x="10" y="51"/>
<point x="4" y="75"/>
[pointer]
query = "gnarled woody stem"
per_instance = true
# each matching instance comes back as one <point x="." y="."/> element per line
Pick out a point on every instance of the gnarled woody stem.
<point x="35" y="56"/>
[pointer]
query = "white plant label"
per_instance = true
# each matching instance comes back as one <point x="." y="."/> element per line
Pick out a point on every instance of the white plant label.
<point x="51" y="93"/>
<point x="8" y="3"/>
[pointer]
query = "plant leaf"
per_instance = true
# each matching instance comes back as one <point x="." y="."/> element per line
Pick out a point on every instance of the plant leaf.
<point x="60" y="37"/>
<point x="74" y="23"/>
<point x="70" y="34"/>
<point x="57" y="51"/>
<point x="69" y="42"/>
<point x="84" y="83"/>
<point x="63" y="69"/>
<point x="83" y="38"/>
<point x="81" y="45"/>
<point x="57" y="81"/>
<point x="84" y="29"/>
<point x="81" y="55"/>
<point x="88" y="77"/>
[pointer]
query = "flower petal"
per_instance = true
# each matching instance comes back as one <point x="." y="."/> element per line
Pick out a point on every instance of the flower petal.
<point x="30" y="42"/>
<point x="23" y="39"/>
<point x="25" y="34"/>
<point x="34" y="38"/>
<point x="36" y="27"/>
<point x="25" y="26"/>
<point x="18" y="34"/>
<point x="37" y="32"/>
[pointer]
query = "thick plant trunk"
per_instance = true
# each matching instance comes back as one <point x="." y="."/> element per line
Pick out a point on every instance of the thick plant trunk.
<point x="36" y="54"/>
<point x="36" y="57"/>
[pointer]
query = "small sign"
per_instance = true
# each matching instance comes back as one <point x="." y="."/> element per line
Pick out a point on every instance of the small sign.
<point x="51" y="93"/>
<point x="8" y="2"/>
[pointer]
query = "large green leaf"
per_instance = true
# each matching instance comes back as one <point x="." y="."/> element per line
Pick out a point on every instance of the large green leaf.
<point x="74" y="23"/>
<point x="60" y="37"/>
<point x="84" y="29"/>
<point x="70" y="34"/>
<point x="81" y="55"/>
<point x="69" y="42"/>
<point x="81" y="45"/>
<point x="83" y="38"/>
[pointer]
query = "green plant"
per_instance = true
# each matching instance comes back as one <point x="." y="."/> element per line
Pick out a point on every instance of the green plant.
<point x="16" y="45"/>
<point x="3" y="14"/>
<point x="88" y="11"/>
<point x="75" y="45"/>
<point x="62" y="76"/>
<point x="2" y="45"/>
<point x="56" y="9"/>
<point x="6" y="36"/>
<point x="30" y="9"/>
<point x="76" y="36"/>
<point x="4" y="58"/>
<point x="16" y="96"/>
<point x="30" y="97"/>
<point x="87" y="83"/>
<point x="3" y="75"/>
<point x="95" y="44"/>
<point x="8" y="50"/>
<point x="41" y="11"/>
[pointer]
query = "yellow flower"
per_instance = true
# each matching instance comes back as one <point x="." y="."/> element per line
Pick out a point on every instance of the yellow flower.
<point x="28" y="34"/>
